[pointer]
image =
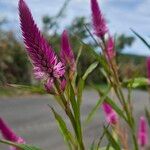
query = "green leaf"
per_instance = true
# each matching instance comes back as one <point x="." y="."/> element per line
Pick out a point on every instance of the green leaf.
<point x="73" y="101"/>
<point x="20" y="146"/>
<point x="97" y="56"/>
<point x="101" y="138"/>
<point x="112" y="141"/>
<point x="107" y="148"/>
<point x="97" y="106"/>
<point x="147" y="113"/>
<point x="76" y="110"/>
<point x="92" y="147"/>
<point x="80" y="91"/>
<point x="141" y="38"/>
<point x="79" y="54"/>
<point x="77" y="60"/>
<point x="63" y="128"/>
<point x="89" y="70"/>
<point x="137" y="82"/>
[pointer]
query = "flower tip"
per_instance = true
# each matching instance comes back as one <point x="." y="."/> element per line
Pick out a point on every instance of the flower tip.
<point x="65" y="32"/>
<point x="111" y="116"/>
<point x="148" y="67"/>
<point x="99" y="23"/>
<point x="66" y="53"/>
<point x="142" y="132"/>
<point x="21" y="4"/>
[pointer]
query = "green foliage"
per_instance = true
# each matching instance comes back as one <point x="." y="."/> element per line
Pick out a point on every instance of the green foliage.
<point x="122" y="41"/>
<point x="141" y="38"/>
<point x="147" y="113"/>
<point x="89" y="70"/>
<point x="68" y="137"/>
<point x="97" y="106"/>
<point x="137" y="82"/>
<point x="20" y="146"/>
<point x="14" y="66"/>
<point x="111" y="139"/>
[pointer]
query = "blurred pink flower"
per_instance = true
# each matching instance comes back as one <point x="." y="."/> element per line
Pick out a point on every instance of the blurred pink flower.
<point x="99" y="23"/>
<point x="63" y="84"/>
<point x="49" y="86"/>
<point x="8" y="134"/>
<point x="148" y="67"/>
<point x="67" y="56"/>
<point x="142" y="132"/>
<point x="44" y="60"/>
<point x="110" y="48"/>
<point x="111" y="116"/>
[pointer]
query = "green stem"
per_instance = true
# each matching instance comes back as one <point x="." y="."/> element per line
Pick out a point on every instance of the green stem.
<point x="70" y="115"/>
<point x="135" y="142"/>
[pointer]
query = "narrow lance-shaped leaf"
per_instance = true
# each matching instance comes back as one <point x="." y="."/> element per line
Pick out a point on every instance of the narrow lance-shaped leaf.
<point x="112" y="141"/>
<point x="80" y="91"/>
<point x="137" y="82"/>
<point x="73" y="101"/>
<point x="97" y="106"/>
<point x="77" y="60"/>
<point x="92" y="147"/>
<point x="63" y="128"/>
<point x="98" y="58"/>
<point x="76" y="110"/>
<point x="90" y="70"/>
<point x="101" y="138"/>
<point x="141" y="38"/>
<point x="147" y="113"/>
<point x="20" y="146"/>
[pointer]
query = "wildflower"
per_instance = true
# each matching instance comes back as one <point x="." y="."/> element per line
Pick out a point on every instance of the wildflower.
<point x="110" y="45"/>
<point x="63" y="84"/>
<point x="142" y="132"/>
<point x="9" y="134"/>
<point x="43" y="58"/>
<point x="67" y="56"/>
<point x="49" y="86"/>
<point x="99" y="23"/>
<point x="148" y="67"/>
<point x="111" y="116"/>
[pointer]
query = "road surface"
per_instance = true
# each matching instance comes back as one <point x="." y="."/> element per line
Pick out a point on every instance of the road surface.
<point x="31" y="118"/>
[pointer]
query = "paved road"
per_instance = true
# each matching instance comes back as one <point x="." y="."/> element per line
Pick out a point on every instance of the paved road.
<point x="31" y="118"/>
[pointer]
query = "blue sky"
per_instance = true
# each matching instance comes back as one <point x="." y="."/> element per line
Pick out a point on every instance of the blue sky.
<point x="121" y="15"/>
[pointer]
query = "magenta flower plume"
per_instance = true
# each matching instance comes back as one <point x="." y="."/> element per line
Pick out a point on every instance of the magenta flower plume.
<point x="67" y="56"/>
<point x="99" y="23"/>
<point x="9" y="134"/>
<point x="111" y="116"/>
<point x="110" y="46"/>
<point x="142" y="132"/>
<point x="148" y="67"/>
<point x="44" y="60"/>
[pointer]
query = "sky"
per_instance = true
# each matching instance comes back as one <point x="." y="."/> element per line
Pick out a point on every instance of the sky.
<point x="122" y="15"/>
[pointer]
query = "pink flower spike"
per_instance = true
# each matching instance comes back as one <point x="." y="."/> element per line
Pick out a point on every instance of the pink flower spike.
<point x="99" y="23"/>
<point x="63" y="84"/>
<point x="66" y="54"/>
<point x="142" y="132"/>
<point x="9" y="134"/>
<point x="49" y="86"/>
<point x="39" y="75"/>
<point x="44" y="60"/>
<point x="111" y="116"/>
<point x="148" y="67"/>
<point x="110" y="46"/>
